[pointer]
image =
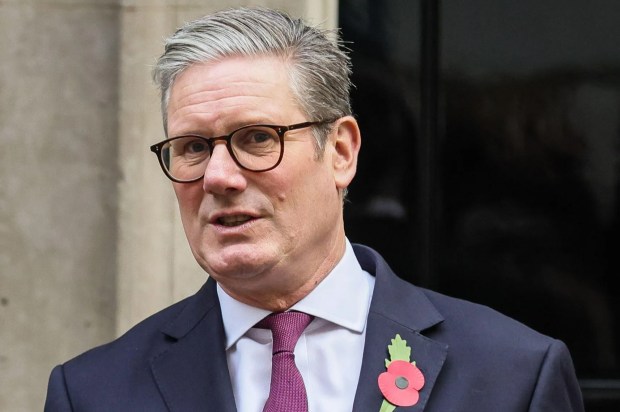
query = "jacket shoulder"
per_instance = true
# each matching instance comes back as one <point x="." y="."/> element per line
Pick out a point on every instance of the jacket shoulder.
<point x="478" y="323"/>
<point x="136" y="346"/>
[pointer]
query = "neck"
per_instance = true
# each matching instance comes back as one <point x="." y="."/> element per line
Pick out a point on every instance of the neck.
<point x="283" y="295"/>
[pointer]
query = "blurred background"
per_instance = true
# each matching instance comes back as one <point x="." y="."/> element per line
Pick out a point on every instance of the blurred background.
<point x="489" y="168"/>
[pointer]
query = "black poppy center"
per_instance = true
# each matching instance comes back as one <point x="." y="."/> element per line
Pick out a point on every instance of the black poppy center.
<point x="401" y="382"/>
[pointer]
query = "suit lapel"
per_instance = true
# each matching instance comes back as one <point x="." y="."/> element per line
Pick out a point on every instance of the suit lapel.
<point x="192" y="371"/>
<point x="397" y="307"/>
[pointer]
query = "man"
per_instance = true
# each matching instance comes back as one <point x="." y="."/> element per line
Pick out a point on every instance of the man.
<point x="261" y="147"/>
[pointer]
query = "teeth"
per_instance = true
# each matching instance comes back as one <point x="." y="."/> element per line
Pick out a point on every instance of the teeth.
<point x="233" y="220"/>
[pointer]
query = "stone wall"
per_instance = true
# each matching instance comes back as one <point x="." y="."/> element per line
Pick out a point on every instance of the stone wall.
<point x="90" y="239"/>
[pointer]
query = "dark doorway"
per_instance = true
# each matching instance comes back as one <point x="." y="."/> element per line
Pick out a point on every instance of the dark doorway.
<point x="490" y="165"/>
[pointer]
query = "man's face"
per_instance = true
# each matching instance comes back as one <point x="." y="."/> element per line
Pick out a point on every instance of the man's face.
<point x="260" y="235"/>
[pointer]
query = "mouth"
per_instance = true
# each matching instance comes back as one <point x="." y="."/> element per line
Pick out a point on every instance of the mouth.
<point x="232" y="221"/>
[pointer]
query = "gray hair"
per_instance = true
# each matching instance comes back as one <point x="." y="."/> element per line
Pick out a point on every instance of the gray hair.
<point x="319" y="68"/>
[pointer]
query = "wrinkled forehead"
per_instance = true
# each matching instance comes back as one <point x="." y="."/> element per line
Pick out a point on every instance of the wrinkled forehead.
<point x="232" y="88"/>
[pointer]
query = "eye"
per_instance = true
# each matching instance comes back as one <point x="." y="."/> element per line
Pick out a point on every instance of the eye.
<point x="196" y="146"/>
<point x="189" y="146"/>
<point x="255" y="137"/>
<point x="260" y="136"/>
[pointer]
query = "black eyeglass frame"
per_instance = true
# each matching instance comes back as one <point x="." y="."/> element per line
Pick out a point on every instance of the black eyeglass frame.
<point x="157" y="148"/>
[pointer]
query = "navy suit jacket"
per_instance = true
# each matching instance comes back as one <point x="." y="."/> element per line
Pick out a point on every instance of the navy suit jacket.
<point x="473" y="358"/>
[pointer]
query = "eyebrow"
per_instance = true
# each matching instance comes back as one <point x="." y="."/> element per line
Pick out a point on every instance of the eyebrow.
<point x="230" y="128"/>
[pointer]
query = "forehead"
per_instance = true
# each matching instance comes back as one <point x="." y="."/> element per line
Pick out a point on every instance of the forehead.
<point x="230" y="92"/>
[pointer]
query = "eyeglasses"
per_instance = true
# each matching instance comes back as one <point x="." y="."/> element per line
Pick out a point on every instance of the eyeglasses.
<point x="257" y="148"/>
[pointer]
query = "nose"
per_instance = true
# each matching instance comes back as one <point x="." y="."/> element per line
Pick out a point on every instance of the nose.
<point x="223" y="175"/>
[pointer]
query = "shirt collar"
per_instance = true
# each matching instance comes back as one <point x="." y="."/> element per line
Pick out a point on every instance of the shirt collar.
<point x="325" y="301"/>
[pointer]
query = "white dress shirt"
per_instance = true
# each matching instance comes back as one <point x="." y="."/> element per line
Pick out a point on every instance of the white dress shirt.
<point x="328" y="353"/>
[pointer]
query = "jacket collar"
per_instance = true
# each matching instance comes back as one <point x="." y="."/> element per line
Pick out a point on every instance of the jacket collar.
<point x="397" y="307"/>
<point x="192" y="370"/>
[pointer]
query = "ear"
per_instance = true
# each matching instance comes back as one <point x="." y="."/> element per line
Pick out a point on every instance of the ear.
<point x="346" y="140"/>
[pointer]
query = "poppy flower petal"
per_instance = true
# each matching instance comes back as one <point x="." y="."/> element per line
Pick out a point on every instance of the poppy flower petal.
<point x="402" y="368"/>
<point x="407" y="396"/>
<point x="417" y="379"/>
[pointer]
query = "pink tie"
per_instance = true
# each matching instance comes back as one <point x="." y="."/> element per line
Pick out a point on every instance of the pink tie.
<point x="287" y="392"/>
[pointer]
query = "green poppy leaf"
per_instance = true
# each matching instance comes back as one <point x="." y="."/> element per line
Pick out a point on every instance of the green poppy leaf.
<point x="399" y="349"/>
<point x="387" y="407"/>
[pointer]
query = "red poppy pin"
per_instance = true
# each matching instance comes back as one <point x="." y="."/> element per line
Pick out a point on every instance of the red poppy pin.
<point x="401" y="383"/>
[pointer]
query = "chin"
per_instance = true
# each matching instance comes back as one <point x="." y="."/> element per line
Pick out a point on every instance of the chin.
<point x="237" y="262"/>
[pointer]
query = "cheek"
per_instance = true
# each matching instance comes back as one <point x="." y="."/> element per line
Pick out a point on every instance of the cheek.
<point x="281" y="197"/>
<point x="287" y="197"/>
<point x="189" y="199"/>
<point x="303" y="195"/>
<point x="187" y="194"/>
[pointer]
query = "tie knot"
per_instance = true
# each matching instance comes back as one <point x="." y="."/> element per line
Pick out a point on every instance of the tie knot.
<point x="286" y="328"/>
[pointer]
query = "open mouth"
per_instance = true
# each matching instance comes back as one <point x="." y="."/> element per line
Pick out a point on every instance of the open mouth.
<point x="231" y="221"/>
